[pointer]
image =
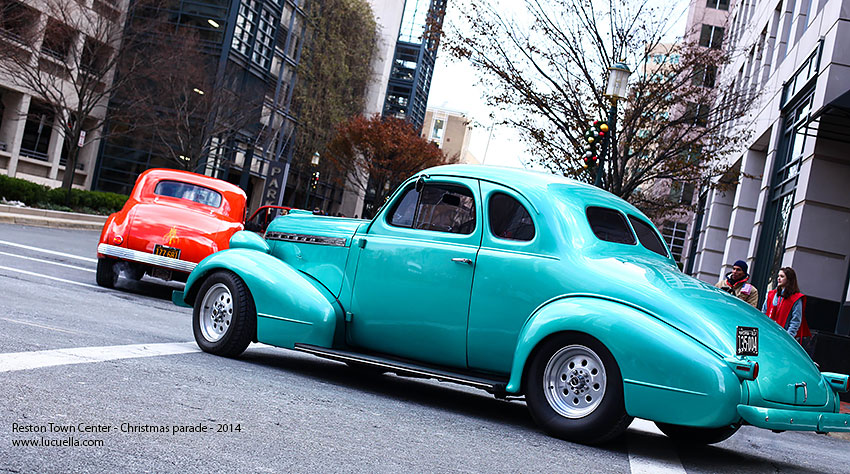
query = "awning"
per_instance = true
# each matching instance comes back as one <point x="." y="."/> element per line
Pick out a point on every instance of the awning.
<point x="831" y="122"/>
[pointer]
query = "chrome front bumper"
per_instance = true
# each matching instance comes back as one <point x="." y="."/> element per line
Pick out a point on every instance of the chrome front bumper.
<point x="147" y="258"/>
<point x="794" y="420"/>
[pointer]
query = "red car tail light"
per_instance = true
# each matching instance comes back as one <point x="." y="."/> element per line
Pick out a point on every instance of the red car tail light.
<point x="117" y="240"/>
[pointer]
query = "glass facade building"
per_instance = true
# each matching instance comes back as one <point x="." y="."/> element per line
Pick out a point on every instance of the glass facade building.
<point x="413" y="61"/>
<point x="254" y="46"/>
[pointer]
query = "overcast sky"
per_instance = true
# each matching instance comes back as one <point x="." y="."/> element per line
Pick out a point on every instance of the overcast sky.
<point x="455" y="86"/>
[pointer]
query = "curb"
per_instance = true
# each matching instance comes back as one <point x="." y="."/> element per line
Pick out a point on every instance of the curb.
<point x="48" y="218"/>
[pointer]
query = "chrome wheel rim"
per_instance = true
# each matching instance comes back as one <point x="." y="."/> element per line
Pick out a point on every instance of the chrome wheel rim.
<point x="574" y="381"/>
<point x="216" y="312"/>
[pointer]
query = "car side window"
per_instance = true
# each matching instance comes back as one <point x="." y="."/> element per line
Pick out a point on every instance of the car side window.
<point x="403" y="213"/>
<point x="446" y="208"/>
<point x="439" y="207"/>
<point x="647" y="236"/>
<point x="509" y="219"/>
<point x="610" y="225"/>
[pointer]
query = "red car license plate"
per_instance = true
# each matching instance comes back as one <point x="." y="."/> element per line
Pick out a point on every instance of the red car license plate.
<point x="164" y="251"/>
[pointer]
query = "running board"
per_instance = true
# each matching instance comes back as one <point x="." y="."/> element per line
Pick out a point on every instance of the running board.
<point x="496" y="387"/>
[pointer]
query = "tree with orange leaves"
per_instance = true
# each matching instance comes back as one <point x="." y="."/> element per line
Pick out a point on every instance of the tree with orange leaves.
<point x="374" y="155"/>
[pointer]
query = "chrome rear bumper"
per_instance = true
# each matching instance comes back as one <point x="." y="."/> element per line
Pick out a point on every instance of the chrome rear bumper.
<point x="794" y="420"/>
<point x="147" y="258"/>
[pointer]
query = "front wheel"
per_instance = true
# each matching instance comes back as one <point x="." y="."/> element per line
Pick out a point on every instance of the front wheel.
<point x="224" y="320"/>
<point x="694" y="435"/>
<point x="574" y="390"/>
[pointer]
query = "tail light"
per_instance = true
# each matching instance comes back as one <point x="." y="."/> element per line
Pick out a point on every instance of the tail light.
<point x="117" y="240"/>
<point x="743" y="368"/>
<point x="838" y="382"/>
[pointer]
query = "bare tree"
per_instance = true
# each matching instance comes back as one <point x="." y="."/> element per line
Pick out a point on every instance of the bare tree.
<point x="189" y="113"/>
<point x="545" y="63"/>
<point x="65" y="54"/>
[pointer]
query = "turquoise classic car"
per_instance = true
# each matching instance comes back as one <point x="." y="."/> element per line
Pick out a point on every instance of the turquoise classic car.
<point x="522" y="284"/>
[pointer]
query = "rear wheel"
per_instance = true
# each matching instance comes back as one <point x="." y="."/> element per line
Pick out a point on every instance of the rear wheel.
<point x="694" y="435"/>
<point x="574" y="390"/>
<point x="224" y="320"/>
<point x="106" y="276"/>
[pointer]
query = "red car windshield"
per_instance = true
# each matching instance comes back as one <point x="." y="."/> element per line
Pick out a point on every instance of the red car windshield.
<point x="192" y="192"/>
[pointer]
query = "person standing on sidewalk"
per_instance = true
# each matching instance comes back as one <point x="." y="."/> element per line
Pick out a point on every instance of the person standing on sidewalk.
<point x="737" y="283"/>
<point x="787" y="305"/>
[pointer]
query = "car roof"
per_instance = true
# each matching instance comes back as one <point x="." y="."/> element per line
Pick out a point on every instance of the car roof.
<point x="535" y="184"/>
<point x="189" y="177"/>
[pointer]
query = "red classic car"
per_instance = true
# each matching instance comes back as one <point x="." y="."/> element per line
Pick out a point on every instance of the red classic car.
<point x="172" y="220"/>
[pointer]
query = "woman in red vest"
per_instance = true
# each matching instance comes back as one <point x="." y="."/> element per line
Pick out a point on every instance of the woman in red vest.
<point x="787" y="306"/>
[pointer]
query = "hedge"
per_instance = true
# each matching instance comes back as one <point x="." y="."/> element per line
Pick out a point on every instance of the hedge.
<point x="37" y="195"/>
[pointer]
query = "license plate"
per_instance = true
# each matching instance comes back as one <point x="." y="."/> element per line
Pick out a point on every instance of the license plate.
<point x="164" y="251"/>
<point x="747" y="341"/>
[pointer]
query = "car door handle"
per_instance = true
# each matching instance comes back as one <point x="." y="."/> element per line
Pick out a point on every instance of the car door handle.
<point x="462" y="260"/>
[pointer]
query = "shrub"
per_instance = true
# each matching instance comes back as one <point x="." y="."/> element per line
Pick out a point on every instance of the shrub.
<point x="37" y="195"/>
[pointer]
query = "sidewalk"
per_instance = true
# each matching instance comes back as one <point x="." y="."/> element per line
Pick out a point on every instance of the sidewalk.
<point x="45" y="218"/>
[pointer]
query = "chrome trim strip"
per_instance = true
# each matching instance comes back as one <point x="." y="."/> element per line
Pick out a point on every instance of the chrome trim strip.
<point x="270" y="316"/>
<point x="144" y="257"/>
<point x="306" y="238"/>
<point x="664" y="387"/>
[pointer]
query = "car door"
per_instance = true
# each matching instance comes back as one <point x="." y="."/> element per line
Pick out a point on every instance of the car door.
<point x="414" y="274"/>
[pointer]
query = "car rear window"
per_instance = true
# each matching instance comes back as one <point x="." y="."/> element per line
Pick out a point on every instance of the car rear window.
<point x="509" y="219"/>
<point x="191" y="192"/>
<point x="610" y="225"/>
<point x="647" y="236"/>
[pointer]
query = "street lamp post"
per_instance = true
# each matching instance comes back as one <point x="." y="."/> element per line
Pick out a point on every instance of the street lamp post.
<point x="314" y="162"/>
<point x="617" y="88"/>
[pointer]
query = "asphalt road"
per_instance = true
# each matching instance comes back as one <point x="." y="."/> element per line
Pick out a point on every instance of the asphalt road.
<point x="130" y="392"/>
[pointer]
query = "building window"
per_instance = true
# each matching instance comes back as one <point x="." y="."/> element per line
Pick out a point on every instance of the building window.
<point x="245" y="24"/>
<point x="437" y="130"/>
<point x="696" y="114"/>
<point x="705" y="76"/>
<point x="711" y="36"/>
<point x="37" y="130"/>
<point x="682" y="193"/>
<point x="674" y="234"/>
<point x="265" y="39"/>
<point x="718" y="4"/>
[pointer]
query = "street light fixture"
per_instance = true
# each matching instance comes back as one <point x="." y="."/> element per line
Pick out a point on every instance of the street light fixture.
<point x="616" y="89"/>
<point x="313" y="179"/>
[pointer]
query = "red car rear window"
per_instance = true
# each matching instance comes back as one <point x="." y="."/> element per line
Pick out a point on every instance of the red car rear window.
<point x="192" y="192"/>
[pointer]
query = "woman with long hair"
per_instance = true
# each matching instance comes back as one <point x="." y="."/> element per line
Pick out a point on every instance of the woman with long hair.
<point x="787" y="305"/>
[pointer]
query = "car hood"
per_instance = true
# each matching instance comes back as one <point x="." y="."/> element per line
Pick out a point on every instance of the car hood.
<point x="195" y="232"/>
<point x="315" y="245"/>
<point x="711" y="316"/>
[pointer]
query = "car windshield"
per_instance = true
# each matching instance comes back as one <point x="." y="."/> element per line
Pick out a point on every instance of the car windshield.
<point x="191" y="192"/>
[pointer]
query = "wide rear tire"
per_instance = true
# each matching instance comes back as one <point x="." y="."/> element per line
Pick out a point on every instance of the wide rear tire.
<point x="106" y="276"/>
<point x="694" y="435"/>
<point x="224" y="320"/>
<point x="574" y="390"/>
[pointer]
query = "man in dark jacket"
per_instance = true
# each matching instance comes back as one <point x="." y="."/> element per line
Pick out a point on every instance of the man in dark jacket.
<point x="737" y="282"/>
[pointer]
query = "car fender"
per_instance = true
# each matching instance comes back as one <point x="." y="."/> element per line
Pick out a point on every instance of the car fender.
<point x="291" y="306"/>
<point x="667" y="375"/>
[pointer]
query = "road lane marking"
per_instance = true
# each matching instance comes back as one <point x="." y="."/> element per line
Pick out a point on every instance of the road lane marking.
<point x="14" y="361"/>
<point x="39" y="325"/>
<point x="651" y="455"/>
<point x="48" y="277"/>
<point x="75" y="267"/>
<point x="52" y="252"/>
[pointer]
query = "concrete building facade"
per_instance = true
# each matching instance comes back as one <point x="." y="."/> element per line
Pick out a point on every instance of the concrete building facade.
<point x="451" y="131"/>
<point x="790" y="206"/>
<point x="32" y="142"/>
